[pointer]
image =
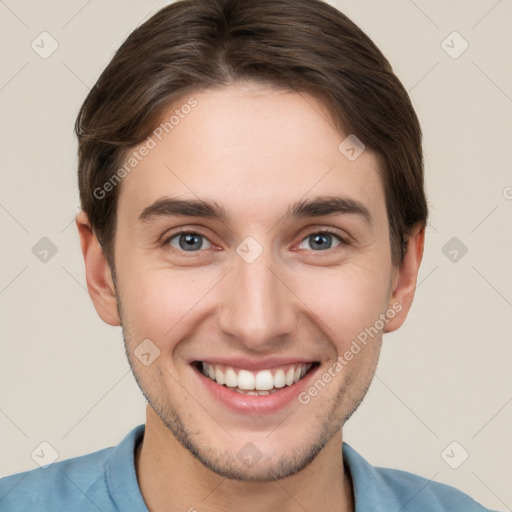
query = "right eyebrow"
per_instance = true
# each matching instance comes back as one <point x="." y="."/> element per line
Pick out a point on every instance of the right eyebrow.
<point x="171" y="207"/>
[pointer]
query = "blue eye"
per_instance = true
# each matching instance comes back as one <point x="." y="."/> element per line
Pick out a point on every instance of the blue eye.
<point x="188" y="241"/>
<point x="322" y="240"/>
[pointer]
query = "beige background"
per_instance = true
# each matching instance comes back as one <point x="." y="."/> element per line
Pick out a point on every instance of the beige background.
<point x="445" y="376"/>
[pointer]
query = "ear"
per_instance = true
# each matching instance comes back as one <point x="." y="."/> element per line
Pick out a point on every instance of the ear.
<point x="405" y="277"/>
<point x="97" y="271"/>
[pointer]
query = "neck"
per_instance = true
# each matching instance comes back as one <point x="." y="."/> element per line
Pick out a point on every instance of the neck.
<point x="171" y="478"/>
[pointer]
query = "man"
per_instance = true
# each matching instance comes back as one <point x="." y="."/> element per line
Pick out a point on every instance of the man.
<point x="251" y="182"/>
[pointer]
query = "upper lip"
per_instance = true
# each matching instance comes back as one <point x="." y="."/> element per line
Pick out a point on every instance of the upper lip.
<point x="254" y="364"/>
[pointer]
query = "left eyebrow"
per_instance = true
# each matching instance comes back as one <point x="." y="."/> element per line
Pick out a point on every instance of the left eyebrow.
<point x="328" y="205"/>
<point x="313" y="207"/>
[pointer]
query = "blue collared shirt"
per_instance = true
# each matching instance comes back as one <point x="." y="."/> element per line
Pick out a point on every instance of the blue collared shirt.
<point x="106" y="481"/>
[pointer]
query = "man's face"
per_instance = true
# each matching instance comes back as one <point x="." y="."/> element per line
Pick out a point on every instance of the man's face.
<point x="256" y="290"/>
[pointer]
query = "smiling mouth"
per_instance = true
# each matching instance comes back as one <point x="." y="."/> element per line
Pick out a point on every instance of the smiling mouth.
<point x="256" y="383"/>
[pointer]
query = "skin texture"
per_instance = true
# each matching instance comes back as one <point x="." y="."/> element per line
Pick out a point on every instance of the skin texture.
<point x="253" y="149"/>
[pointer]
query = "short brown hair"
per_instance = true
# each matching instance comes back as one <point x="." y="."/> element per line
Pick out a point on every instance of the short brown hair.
<point x="306" y="45"/>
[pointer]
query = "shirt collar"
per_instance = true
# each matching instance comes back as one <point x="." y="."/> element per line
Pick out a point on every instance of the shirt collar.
<point x="121" y="476"/>
<point x="371" y="492"/>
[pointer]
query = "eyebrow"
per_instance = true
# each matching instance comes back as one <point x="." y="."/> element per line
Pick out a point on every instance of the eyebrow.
<point x="313" y="207"/>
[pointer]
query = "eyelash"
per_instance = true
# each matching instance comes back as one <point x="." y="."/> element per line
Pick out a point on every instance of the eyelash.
<point x="326" y="231"/>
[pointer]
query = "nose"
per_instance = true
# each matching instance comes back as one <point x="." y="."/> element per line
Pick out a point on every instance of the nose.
<point x="259" y="307"/>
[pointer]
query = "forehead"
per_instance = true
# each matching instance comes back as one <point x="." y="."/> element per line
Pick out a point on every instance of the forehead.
<point x="252" y="148"/>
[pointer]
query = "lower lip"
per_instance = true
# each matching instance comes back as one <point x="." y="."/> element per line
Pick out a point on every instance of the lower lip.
<point x="252" y="404"/>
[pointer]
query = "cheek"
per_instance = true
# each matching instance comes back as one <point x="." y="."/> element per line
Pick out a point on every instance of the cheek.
<point x="156" y="302"/>
<point x="347" y="301"/>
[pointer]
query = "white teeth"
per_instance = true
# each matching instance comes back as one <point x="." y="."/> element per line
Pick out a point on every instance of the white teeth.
<point x="245" y="380"/>
<point x="264" y="380"/>
<point x="219" y="376"/>
<point x="254" y="393"/>
<point x="279" y="379"/>
<point x="230" y="378"/>
<point x="257" y="383"/>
